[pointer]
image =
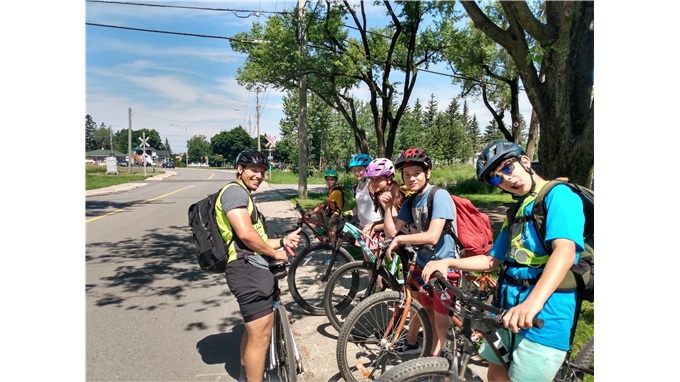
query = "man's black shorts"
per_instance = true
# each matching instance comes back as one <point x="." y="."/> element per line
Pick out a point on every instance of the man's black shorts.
<point x="253" y="288"/>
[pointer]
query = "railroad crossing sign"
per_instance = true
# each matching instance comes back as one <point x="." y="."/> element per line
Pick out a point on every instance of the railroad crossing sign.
<point x="143" y="140"/>
<point x="270" y="141"/>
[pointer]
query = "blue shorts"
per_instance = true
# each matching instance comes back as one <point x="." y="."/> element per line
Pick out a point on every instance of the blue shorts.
<point x="531" y="361"/>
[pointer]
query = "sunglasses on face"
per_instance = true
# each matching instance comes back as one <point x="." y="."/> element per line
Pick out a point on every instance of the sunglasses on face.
<point x="497" y="176"/>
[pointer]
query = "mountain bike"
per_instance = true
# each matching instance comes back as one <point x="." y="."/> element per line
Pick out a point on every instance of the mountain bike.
<point x="353" y="282"/>
<point x="310" y="270"/>
<point x="483" y="318"/>
<point x="283" y="359"/>
<point x="369" y="340"/>
<point x="584" y="363"/>
<point x="307" y="224"/>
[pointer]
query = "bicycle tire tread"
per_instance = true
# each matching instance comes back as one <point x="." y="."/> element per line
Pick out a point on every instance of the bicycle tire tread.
<point x="418" y="368"/>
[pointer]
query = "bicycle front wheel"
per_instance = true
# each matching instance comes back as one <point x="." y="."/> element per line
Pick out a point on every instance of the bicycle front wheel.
<point x="585" y="358"/>
<point x="347" y="287"/>
<point x="284" y="350"/>
<point x="309" y="272"/>
<point x="420" y="369"/>
<point x="365" y="350"/>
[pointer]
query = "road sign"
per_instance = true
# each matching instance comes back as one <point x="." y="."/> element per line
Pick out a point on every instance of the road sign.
<point x="270" y="141"/>
<point x="143" y="140"/>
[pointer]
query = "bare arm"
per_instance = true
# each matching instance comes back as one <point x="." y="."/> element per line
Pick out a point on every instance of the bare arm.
<point x="239" y="218"/>
<point x="391" y="224"/>
<point x="481" y="263"/>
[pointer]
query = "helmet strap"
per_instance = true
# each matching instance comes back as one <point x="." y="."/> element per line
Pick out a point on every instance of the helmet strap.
<point x="531" y="174"/>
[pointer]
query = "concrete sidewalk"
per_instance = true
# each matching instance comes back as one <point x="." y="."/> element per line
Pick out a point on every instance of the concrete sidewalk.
<point x="128" y="186"/>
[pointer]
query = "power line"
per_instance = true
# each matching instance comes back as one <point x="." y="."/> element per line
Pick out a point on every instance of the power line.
<point x="249" y="12"/>
<point x="166" y="32"/>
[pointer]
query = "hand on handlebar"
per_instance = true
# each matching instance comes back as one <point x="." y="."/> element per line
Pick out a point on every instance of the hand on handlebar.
<point x="432" y="267"/>
<point x="522" y="316"/>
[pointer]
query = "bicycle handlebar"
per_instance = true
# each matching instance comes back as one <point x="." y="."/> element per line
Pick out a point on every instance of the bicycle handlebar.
<point x="466" y="298"/>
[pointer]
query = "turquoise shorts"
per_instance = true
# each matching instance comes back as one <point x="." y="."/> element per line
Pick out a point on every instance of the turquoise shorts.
<point x="531" y="361"/>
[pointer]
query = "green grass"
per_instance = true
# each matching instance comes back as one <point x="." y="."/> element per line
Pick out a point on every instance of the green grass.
<point x="96" y="176"/>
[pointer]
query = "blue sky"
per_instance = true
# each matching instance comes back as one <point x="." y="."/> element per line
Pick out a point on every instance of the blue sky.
<point x="184" y="85"/>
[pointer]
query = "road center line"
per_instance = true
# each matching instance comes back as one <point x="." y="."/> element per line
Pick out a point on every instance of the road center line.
<point x="136" y="204"/>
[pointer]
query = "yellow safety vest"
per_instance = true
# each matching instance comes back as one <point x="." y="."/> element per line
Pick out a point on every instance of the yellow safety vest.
<point x="235" y="247"/>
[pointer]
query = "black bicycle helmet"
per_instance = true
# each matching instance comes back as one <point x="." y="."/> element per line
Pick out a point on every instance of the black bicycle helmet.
<point x="493" y="155"/>
<point x="252" y="157"/>
<point x="413" y="157"/>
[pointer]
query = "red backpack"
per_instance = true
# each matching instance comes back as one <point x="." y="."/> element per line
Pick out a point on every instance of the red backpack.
<point x="474" y="227"/>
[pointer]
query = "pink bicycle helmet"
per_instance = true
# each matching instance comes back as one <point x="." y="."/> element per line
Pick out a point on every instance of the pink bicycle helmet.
<point x="379" y="167"/>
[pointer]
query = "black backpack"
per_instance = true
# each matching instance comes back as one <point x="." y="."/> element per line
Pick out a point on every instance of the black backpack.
<point x="582" y="274"/>
<point x="210" y="248"/>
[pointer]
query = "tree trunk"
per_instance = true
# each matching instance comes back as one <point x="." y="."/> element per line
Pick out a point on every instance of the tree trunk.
<point x="562" y="99"/>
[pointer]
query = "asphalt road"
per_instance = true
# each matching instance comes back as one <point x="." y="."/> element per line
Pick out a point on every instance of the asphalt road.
<point x="152" y="314"/>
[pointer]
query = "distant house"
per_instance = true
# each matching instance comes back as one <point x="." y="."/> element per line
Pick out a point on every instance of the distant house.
<point x="156" y="156"/>
<point x="99" y="156"/>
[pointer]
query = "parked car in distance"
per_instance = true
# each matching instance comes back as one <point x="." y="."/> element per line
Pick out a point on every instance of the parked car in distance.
<point x="123" y="163"/>
<point x="277" y="166"/>
<point x="168" y="165"/>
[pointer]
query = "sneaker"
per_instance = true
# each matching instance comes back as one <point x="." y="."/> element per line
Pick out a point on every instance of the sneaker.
<point x="328" y="261"/>
<point x="402" y="347"/>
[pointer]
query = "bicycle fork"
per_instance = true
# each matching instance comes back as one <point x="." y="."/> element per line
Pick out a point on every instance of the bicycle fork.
<point x="273" y="357"/>
<point x="401" y="311"/>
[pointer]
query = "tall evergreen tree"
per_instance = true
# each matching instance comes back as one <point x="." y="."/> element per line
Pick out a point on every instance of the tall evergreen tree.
<point x="90" y="140"/>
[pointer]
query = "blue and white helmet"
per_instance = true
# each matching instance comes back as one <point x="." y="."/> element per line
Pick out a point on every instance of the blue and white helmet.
<point x="360" y="160"/>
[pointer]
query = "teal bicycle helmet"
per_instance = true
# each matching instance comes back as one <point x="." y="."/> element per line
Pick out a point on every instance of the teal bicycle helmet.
<point x="360" y="160"/>
<point x="332" y="173"/>
<point x="493" y="155"/>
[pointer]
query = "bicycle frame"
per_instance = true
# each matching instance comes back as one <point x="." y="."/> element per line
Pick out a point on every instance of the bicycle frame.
<point x="273" y="344"/>
<point x="347" y="228"/>
<point x="310" y="223"/>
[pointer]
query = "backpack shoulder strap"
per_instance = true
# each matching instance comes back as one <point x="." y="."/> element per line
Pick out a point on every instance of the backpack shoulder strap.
<point x="254" y="213"/>
<point x="430" y="200"/>
<point x="539" y="211"/>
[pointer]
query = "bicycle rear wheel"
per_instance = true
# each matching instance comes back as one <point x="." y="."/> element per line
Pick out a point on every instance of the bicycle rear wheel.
<point x="361" y="348"/>
<point x="420" y="369"/>
<point x="308" y="274"/>
<point x="347" y="287"/>
<point x="284" y="351"/>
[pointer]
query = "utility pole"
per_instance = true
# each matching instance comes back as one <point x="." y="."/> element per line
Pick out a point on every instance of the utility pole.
<point x="257" y="109"/>
<point x="302" y="107"/>
<point x="129" y="166"/>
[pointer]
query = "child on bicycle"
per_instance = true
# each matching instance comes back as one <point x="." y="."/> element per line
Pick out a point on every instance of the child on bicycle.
<point x="529" y="277"/>
<point x="429" y="240"/>
<point x="331" y="207"/>
<point x="363" y="195"/>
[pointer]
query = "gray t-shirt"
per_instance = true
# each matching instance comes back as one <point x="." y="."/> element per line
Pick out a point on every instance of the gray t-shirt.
<point x="237" y="197"/>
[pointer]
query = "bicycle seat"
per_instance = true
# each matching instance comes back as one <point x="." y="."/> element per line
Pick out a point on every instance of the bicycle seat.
<point x="279" y="268"/>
